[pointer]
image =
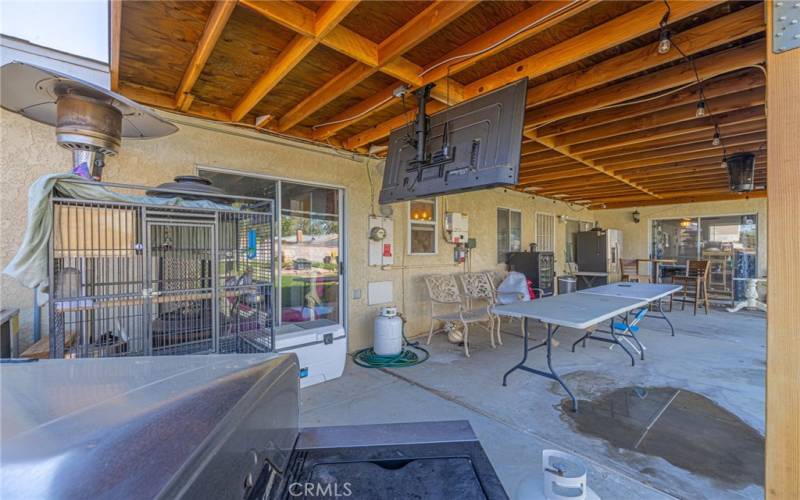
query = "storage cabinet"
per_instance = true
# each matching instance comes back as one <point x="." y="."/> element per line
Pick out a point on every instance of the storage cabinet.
<point x="539" y="267"/>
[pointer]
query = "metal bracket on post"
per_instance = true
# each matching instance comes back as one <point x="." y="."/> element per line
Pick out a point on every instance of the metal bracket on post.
<point x="786" y="25"/>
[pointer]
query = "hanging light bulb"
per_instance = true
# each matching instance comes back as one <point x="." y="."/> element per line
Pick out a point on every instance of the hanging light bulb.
<point x="701" y="109"/>
<point x="716" y="140"/>
<point x="663" y="42"/>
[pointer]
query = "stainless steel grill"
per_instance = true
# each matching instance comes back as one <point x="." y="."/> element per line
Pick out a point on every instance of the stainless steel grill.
<point x="136" y="279"/>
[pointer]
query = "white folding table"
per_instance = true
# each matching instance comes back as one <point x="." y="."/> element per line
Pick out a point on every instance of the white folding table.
<point x="653" y="293"/>
<point x="581" y="311"/>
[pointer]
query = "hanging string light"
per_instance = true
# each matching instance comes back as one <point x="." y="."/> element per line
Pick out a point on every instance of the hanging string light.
<point x="716" y="140"/>
<point x="664" y="43"/>
<point x="701" y="109"/>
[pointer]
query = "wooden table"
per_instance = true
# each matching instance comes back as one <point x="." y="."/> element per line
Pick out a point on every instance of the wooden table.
<point x="656" y="270"/>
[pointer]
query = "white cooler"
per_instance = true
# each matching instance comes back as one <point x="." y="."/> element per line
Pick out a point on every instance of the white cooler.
<point x="320" y="345"/>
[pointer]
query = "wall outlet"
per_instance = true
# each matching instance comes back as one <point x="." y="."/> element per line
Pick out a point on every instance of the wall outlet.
<point x="356" y="293"/>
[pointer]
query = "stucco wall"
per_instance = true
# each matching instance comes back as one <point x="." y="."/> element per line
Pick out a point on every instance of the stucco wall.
<point x="636" y="236"/>
<point x="28" y="150"/>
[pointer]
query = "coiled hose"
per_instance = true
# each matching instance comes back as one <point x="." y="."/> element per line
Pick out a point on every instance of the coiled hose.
<point x="411" y="354"/>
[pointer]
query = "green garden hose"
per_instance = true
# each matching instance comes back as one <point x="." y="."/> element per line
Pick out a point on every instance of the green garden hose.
<point x="407" y="357"/>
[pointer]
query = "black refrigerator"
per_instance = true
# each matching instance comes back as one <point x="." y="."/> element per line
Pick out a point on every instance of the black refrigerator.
<point x="538" y="267"/>
<point x="599" y="251"/>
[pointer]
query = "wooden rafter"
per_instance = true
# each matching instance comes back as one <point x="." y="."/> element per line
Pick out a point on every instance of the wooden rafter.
<point x="313" y="26"/>
<point x="585" y="79"/>
<point x="115" y="32"/>
<point x="429" y="21"/>
<point x="691" y="138"/>
<point x="217" y="20"/>
<point x="715" y="33"/>
<point x="708" y="67"/>
<point x="548" y="142"/>
<point x="717" y="195"/>
<point x="619" y="131"/>
<point x="685" y="112"/>
<point x="715" y="88"/>
<point x="539" y="17"/>
<point x="755" y="113"/>
<point x="608" y="35"/>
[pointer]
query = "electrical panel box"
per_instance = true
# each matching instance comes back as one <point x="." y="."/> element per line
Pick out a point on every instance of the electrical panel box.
<point x="381" y="241"/>
<point x="456" y="225"/>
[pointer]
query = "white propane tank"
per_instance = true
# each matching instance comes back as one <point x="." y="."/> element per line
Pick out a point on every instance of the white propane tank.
<point x="388" y="333"/>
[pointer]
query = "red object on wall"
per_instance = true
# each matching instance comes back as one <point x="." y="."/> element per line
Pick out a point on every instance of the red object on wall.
<point x="387" y="249"/>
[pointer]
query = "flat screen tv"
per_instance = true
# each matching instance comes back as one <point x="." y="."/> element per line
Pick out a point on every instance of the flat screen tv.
<point x="472" y="145"/>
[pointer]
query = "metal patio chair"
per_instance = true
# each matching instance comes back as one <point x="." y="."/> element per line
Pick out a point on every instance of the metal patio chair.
<point x="479" y="287"/>
<point x="626" y="330"/>
<point x="443" y="291"/>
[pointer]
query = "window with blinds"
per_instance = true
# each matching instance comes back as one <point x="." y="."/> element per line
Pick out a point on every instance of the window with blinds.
<point x="545" y="232"/>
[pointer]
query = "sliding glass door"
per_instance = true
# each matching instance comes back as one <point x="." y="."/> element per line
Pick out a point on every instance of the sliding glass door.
<point x="309" y="248"/>
<point x="728" y="242"/>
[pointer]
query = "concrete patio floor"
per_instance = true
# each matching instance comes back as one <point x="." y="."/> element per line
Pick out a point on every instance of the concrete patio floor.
<point x="720" y="356"/>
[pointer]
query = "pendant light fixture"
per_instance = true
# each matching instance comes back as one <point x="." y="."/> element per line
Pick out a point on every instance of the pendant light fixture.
<point x="701" y="109"/>
<point x="741" y="171"/>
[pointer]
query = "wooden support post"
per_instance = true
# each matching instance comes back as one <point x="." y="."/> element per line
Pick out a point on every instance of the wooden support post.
<point x="783" y="244"/>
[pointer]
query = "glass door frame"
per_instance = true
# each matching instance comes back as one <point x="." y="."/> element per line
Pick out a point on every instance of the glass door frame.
<point x="277" y="267"/>
<point x="699" y="219"/>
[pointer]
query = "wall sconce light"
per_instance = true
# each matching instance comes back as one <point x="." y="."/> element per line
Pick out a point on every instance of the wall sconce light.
<point x="636" y="216"/>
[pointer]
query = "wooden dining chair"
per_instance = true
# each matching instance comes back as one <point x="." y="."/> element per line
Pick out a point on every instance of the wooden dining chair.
<point x="630" y="271"/>
<point x="695" y="284"/>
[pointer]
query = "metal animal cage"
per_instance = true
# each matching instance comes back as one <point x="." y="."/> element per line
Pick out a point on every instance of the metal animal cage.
<point x="137" y="279"/>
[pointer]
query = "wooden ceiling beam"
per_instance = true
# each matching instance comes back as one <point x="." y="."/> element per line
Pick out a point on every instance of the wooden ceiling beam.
<point x="709" y="66"/>
<point x="311" y="27"/>
<point x="115" y="28"/>
<point x="382" y="130"/>
<point x="166" y="101"/>
<point x="693" y="180"/>
<point x="705" y="145"/>
<point x="435" y="17"/>
<point x="565" y="151"/>
<point x="215" y="24"/>
<point x="678" y="114"/>
<point x="755" y="113"/>
<point x="689" y="138"/>
<point x="687" y="165"/>
<point x="291" y="15"/>
<point x="335" y="87"/>
<point x="608" y="35"/>
<point x="716" y="88"/>
<point x="330" y="14"/>
<point x="532" y="177"/>
<point x="423" y="25"/>
<point x="531" y="147"/>
<point x="526" y="24"/>
<point x="712" y="153"/>
<point x="718" y="196"/>
<point x="715" y="33"/>
<point x="695" y="174"/>
<point x="501" y="35"/>
<point x="585" y="182"/>
<point x="559" y="163"/>
<point x="562" y="53"/>
<point x="289" y="57"/>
